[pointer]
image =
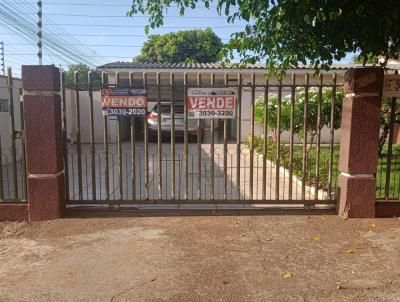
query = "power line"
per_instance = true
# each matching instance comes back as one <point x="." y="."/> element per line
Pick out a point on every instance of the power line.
<point x="141" y="26"/>
<point x="60" y="44"/>
<point x="76" y="4"/>
<point x="101" y="45"/>
<point x="94" y="35"/>
<point x="32" y="54"/>
<point x="128" y="17"/>
<point x="24" y="28"/>
<point x="96" y="4"/>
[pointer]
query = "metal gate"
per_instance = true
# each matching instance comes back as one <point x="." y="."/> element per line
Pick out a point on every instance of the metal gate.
<point x="280" y="149"/>
<point x="388" y="176"/>
<point x="12" y="144"/>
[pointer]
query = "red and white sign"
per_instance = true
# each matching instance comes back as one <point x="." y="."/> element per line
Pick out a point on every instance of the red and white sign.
<point x="111" y="101"/>
<point x="205" y="103"/>
<point x="123" y="101"/>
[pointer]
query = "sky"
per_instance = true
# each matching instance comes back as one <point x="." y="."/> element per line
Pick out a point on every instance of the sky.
<point x="97" y="31"/>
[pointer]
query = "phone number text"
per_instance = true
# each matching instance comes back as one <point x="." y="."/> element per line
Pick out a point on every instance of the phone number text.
<point x="124" y="111"/>
<point x="222" y="114"/>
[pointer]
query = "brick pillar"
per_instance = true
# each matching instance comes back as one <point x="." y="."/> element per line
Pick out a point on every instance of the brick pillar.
<point x="44" y="144"/>
<point x="359" y="142"/>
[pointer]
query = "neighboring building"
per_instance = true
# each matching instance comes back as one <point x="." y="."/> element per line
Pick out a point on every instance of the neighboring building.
<point x="5" y="130"/>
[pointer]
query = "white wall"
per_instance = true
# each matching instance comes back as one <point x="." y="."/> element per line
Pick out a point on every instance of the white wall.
<point x="84" y="102"/>
<point x="5" y="129"/>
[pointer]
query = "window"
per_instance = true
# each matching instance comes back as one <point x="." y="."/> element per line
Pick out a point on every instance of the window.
<point x="4" y="105"/>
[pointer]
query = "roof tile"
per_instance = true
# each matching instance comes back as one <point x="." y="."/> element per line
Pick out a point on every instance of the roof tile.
<point x="130" y="65"/>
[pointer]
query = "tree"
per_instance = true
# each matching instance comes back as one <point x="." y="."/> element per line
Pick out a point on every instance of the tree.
<point x="288" y="32"/>
<point x="273" y="114"/>
<point x="83" y="70"/>
<point x="298" y="116"/>
<point x="312" y="112"/>
<point x="189" y="46"/>
<point x="387" y="107"/>
<point x="370" y="59"/>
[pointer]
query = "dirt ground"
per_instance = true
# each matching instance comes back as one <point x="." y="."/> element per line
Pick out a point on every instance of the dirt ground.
<point x="123" y="257"/>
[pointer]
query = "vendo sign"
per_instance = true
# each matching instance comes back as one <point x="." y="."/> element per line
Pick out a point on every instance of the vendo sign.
<point x="218" y="103"/>
<point x="123" y="101"/>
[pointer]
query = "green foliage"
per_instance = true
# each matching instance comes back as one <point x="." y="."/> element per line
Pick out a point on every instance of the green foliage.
<point x="189" y="46"/>
<point x="314" y="96"/>
<point x="83" y="70"/>
<point x="369" y="59"/>
<point x="386" y="112"/>
<point x="273" y="113"/>
<point x="297" y="165"/>
<point x="286" y="33"/>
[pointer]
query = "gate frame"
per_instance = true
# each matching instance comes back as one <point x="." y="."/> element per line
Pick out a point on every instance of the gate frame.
<point x="46" y="197"/>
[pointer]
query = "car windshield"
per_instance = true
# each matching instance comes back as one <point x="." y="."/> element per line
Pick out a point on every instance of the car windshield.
<point x="166" y="109"/>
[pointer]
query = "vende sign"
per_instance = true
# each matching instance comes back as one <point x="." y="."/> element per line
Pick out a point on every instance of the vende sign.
<point x="123" y="101"/>
<point x="216" y="103"/>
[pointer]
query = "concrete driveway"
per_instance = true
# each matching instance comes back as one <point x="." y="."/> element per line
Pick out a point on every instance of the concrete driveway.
<point x="195" y="177"/>
<point x="106" y="257"/>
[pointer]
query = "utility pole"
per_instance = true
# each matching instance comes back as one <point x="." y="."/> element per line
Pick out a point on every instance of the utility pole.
<point x="40" y="33"/>
<point x="3" y="69"/>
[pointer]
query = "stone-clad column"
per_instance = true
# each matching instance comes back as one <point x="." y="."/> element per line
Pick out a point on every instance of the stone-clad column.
<point x="359" y="142"/>
<point x="44" y="143"/>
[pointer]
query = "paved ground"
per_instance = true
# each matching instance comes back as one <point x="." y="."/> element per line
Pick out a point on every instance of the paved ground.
<point x="196" y="177"/>
<point x="202" y="258"/>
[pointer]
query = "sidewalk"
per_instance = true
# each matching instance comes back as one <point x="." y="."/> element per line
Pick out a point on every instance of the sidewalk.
<point x="200" y="258"/>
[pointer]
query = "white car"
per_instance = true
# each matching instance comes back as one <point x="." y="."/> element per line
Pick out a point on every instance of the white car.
<point x="152" y="120"/>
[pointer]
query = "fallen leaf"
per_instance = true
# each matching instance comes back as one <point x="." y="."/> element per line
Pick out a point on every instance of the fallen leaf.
<point x="268" y="239"/>
<point x="339" y="284"/>
<point x="288" y="275"/>
<point x="300" y="247"/>
<point x="350" y="251"/>
<point x="353" y="272"/>
<point x="317" y="238"/>
<point x="372" y="225"/>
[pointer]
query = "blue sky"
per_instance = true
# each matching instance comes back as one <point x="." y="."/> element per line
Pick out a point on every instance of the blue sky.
<point x="99" y="23"/>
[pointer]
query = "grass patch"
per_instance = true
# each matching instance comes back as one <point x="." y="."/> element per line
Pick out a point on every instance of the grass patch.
<point x="311" y="172"/>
